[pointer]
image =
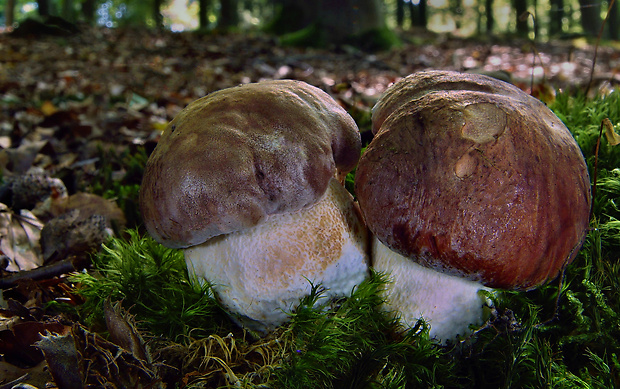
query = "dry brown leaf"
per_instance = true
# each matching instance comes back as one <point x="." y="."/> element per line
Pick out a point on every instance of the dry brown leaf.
<point x="612" y="137"/>
<point x="19" y="239"/>
<point x="19" y="160"/>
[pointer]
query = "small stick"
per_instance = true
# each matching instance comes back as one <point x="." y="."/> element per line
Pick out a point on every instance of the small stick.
<point x="49" y="271"/>
<point x="594" y="179"/>
<point x="598" y="41"/>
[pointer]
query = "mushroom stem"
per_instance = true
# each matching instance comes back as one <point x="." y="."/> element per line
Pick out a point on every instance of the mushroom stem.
<point x="449" y="304"/>
<point x="260" y="274"/>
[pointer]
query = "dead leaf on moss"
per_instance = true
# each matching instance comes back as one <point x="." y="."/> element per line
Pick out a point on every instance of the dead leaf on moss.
<point x="612" y="137"/>
<point x="19" y="239"/>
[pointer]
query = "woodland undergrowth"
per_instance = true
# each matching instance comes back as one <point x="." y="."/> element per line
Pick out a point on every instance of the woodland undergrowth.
<point x="565" y="334"/>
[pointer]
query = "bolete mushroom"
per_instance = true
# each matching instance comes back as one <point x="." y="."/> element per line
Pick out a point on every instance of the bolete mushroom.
<point x="469" y="183"/>
<point x="244" y="180"/>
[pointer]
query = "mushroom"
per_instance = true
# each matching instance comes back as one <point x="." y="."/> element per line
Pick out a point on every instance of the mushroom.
<point x="468" y="184"/>
<point x="244" y="180"/>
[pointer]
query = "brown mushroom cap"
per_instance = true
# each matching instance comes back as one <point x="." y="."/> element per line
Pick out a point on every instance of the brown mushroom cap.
<point x="233" y="157"/>
<point x="473" y="177"/>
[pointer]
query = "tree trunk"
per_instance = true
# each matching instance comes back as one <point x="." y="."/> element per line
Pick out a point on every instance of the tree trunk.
<point x="203" y="19"/>
<point x="488" y="9"/>
<point x="9" y="12"/>
<point x="612" y="22"/>
<point x="229" y="14"/>
<point x="556" y="14"/>
<point x="157" y="16"/>
<point x="67" y="10"/>
<point x="44" y="7"/>
<point x="418" y="14"/>
<point x="535" y="17"/>
<point x="336" y="20"/>
<point x="88" y="11"/>
<point x="590" y="16"/>
<point x="400" y="12"/>
<point x="520" y="7"/>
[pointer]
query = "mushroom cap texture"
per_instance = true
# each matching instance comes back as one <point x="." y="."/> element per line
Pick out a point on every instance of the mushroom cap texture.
<point x="260" y="274"/>
<point x="235" y="156"/>
<point x="473" y="177"/>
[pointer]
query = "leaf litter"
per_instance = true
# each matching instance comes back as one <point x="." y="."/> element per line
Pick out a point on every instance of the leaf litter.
<point x="83" y="109"/>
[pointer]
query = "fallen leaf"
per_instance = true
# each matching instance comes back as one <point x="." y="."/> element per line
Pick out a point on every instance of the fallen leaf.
<point x="18" y="343"/>
<point x="123" y="331"/>
<point x="19" y="160"/>
<point x="612" y="137"/>
<point x="19" y="239"/>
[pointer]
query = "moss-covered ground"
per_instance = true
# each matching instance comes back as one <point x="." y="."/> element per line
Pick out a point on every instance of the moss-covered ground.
<point x="565" y="334"/>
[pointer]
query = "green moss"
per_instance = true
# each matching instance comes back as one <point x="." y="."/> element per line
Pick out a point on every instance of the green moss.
<point x="353" y="343"/>
<point x="561" y="335"/>
<point x="377" y="39"/>
<point x="311" y="36"/>
<point x="315" y="35"/>
<point x="152" y="283"/>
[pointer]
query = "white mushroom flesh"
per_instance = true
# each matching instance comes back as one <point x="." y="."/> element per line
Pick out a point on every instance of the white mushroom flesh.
<point x="447" y="303"/>
<point x="261" y="274"/>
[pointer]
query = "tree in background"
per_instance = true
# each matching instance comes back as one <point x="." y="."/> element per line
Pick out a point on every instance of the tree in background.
<point x="321" y="22"/>
<point x="9" y="13"/>
<point x="203" y="8"/>
<point x="158" y="18"/>
<point x="490" y="20"/>
<point x="556" y="15"/>
<point x="400" y="12"/>
<point x="590" y="16"/>
<point x="612" y="22"/>
<point x="88" y="11"/>
<point x="43" y="6"/>
<point x="520" y="7"/>
<point x="419" y="13"/>
<point x="229" y="14"/>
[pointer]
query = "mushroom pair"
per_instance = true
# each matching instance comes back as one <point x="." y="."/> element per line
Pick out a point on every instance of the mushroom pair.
<point x="244" y="180"/>
<point x="468" y="184"/>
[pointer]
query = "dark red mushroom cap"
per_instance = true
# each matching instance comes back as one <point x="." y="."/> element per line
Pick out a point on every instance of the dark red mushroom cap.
<point x="473" y="177"/>
<point x="236" y="156"/>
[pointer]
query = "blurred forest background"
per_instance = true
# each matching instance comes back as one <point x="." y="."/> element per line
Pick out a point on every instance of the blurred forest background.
<point x="544" y="19"/>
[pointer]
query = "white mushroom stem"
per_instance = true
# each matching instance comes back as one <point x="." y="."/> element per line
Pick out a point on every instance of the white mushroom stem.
<point x="449" y="304"/>
<point x="260" y="274"/>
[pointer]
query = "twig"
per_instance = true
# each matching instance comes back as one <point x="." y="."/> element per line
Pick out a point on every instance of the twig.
<point x="49" y="271"/>
<point x="598" y="41"/>
<point x="535" y="52"/>
<point x="16" y="381"/>
<point x="595" y="178"/>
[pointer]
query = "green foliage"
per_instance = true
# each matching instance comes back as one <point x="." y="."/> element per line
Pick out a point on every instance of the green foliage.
<point x="354" y="344"/>
<point x="152" y="283"/>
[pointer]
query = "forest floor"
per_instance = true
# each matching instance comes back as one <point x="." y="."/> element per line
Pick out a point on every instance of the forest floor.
<point x="79" y="107"/>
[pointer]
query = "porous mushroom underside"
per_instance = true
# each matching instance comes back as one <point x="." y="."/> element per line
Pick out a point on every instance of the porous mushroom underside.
<point x="261" y="273"/>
